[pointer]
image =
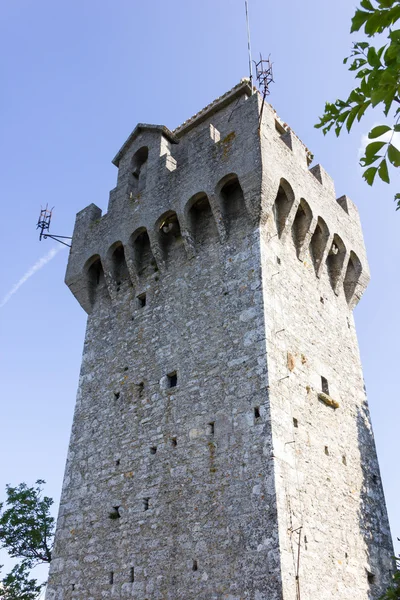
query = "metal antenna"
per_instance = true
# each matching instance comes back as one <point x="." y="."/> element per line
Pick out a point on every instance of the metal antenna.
<point x="44" y="225"/>
<point x="248" y="43"/>
<point x="265" y="78"/>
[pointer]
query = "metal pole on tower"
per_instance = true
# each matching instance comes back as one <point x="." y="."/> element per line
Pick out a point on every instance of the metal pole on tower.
<point x="248" y="43"/>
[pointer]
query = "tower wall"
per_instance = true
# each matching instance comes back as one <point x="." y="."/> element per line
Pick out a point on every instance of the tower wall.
<point x="187" y="476"/>
<point x="333" y="528"/>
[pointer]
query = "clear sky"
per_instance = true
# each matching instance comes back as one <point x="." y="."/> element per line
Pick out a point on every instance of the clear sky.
<point x="76" y="77"/>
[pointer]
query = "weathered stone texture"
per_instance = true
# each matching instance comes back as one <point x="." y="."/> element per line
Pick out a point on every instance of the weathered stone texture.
<point x="202" y="274"/>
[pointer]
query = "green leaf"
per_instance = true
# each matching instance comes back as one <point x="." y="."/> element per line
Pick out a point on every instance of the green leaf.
<point x="373" y="58"/>
<point x="367" y="5"/>
<point x="369" y="175"/>
<point x="358" y="20"/>
<point x="378" y="131"/>
<point x="383" y="171"/>
<point x="394" y="155"/>
<point x="362" y="109"/>
<point x="396" y="127"/>
<point x="365" y="162"/>
<point x="351" y="117"/>
<point x="373" y="24"/>
<point x="373" y="148"/>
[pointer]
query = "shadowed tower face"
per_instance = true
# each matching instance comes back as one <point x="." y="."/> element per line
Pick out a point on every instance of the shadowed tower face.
<point x="221" y="446"/>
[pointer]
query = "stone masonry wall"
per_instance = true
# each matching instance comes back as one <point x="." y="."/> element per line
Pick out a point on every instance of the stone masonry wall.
<point x="204" y="460"/>
<point x="187" y="467"/>
<point x="334" y="531"/>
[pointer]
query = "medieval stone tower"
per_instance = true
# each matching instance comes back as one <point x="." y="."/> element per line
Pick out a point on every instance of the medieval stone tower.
<point x="221" y="446"/>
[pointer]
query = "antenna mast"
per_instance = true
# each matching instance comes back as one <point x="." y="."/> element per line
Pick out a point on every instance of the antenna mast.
<point x="248" y="43"/>
<point x="43" y="225"/>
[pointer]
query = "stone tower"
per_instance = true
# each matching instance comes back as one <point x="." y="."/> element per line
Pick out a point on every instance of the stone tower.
<point x="221" y="446"/>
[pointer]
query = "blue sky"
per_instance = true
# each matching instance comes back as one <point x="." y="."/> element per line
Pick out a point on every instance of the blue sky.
<point x="76" y="78"/>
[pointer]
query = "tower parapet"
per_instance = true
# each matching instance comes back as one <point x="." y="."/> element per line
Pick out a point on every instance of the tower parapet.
<point x="162" y="174"/>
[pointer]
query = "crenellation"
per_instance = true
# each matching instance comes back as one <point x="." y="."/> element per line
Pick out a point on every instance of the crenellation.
<point x="324" y="179"/>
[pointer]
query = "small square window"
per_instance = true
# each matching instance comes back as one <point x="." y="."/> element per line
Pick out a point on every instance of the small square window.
<point x="172" y="379"/>
<point x="141" y="300"/>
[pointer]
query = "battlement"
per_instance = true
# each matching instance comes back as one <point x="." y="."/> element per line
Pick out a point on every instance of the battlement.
<point x="218" y="166"/>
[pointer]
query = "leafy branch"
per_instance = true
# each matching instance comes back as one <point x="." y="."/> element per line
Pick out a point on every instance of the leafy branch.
<point x="377" y="71"/>
<point x="26" y="532"/>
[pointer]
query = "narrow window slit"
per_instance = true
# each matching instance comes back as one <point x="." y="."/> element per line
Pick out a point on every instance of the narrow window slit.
<point x="146" y="503"/>
<point x="195" y="566"/>
<point x="174" y="442"/>
<point x="132" y="574"/>
<point x="257" y="412"/>
<point x="295" y="422"/>
<point x="111" y="579"/>
<point x="141" y="300"/>
<point x="325" y="385"/>
<point x="153" y="450"/>
<point x="371" y="577"/>
<point x="117" y="462"/>
<point x="344" y="460"/>
<point x="211" y="428"/>
<point x="117" y="395"/>
<point x="327" y="450"/>
<point x="172" y="379"/>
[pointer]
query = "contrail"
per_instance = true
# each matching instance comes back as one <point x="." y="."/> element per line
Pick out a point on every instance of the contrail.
<point x="36" y="267"/>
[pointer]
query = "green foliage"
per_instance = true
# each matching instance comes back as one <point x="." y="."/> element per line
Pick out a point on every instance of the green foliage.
<point x="17" y="585"/>
<point x="26" y="526"/>
<point x="393" y="593"/>
<point x="26" y="532"/>
<point x="377" y="73"/>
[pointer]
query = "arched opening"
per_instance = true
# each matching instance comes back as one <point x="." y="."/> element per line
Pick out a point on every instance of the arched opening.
<point x="144" y="260"/>
<point x="170" y="237"/>
<point x="301" y="225"/>
<point x="233" y="206"/>
<point x="335" y="259"/>
<point x="352" y="276"/>
<point x="318" y="243"/>
<point x="95" y="277"/>
<point x="282" y="205"/>
<point x="139" y="169"/>
<point x="201" y="219"/>
<point x="118" y="265"/>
